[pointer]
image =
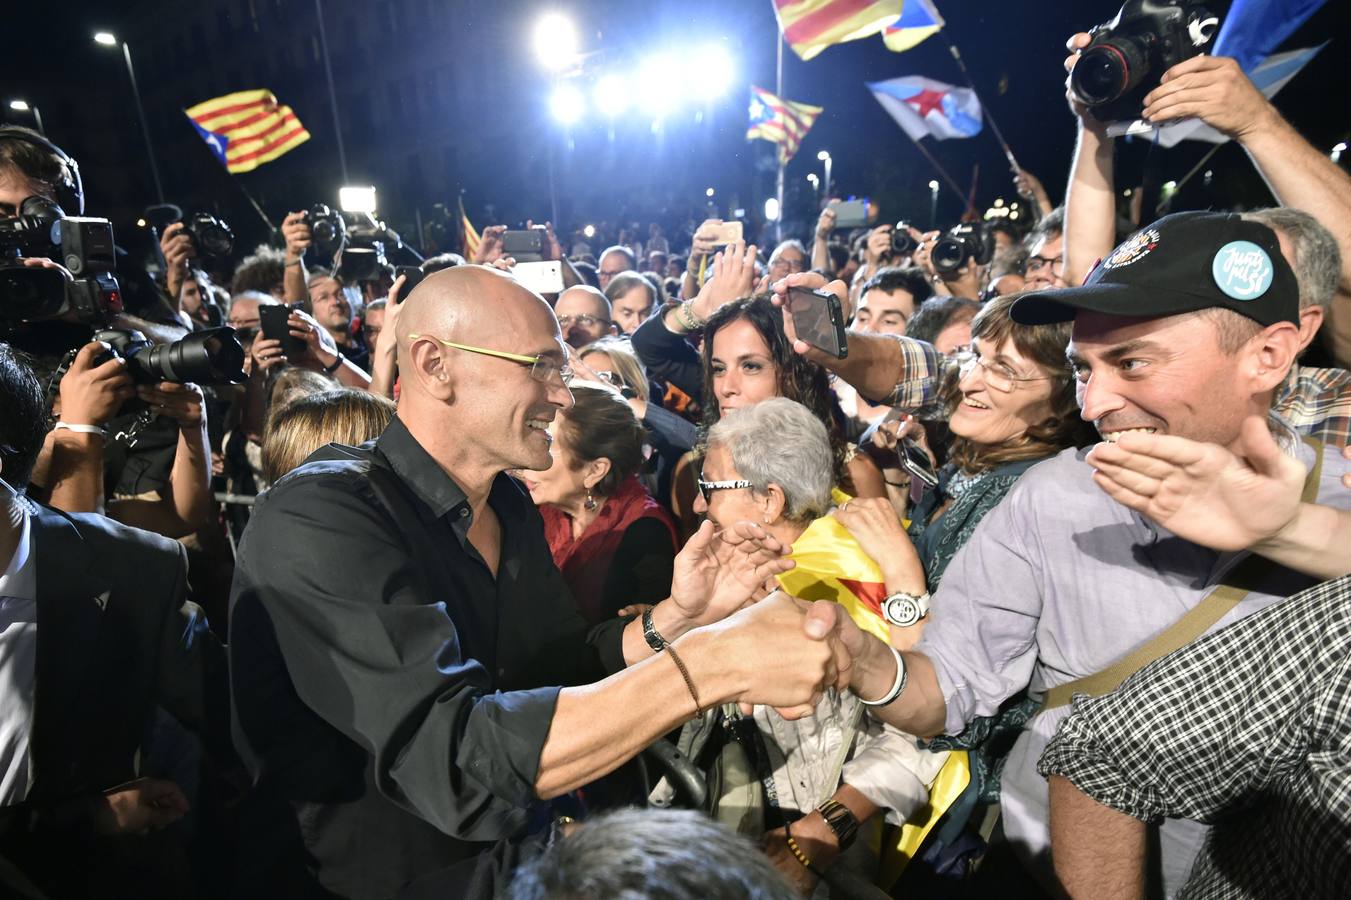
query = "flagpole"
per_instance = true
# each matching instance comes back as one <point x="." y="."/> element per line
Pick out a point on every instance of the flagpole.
<point x="778" y="192"/>
<point x="989" y="117"/>
<point x="332" y="94"/>
<point x="1196" y="168"/>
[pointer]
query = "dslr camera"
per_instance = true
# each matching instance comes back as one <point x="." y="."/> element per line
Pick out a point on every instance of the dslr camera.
<point x="211" y="356"/>
<point x="902" y="244"/>
<point x="83" y="245"/>
<point x="1129" y="54"/>
<point x="967" y="242"/>
<point x="358" y="245"/>
<point x="210" y="236"/>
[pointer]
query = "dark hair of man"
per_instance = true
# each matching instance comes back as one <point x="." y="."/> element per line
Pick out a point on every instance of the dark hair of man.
<point x="262" y="271"/>
<point x="651" y="854"/>
<point x="936" y="314"/>
<point x="588" y="273"/>
<point x="798" y="378"/>
<point x="23" y="418"/>
<point x="441" y="261"/>
<point x="602" y="425"/>
<point x="1051" y="224"/>
<point x="1045" y="346"/>
<point x="619" y="248"/>
<point x="624" y="282"/>
<point x="1004" y="226"/>
<point x="895" y="278"/>
<point x="34" y="162"/>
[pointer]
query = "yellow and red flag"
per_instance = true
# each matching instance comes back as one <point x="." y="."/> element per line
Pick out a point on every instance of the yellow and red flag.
<point x="781" y="121"/>
<point x="811" y="26"/>
<point x="469" y="237"/>
<point x="247" y="128"/>
<point x="832" y="566"/>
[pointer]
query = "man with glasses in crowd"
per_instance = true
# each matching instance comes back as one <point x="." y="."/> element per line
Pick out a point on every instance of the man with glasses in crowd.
<point x="584" y="315"/>
<point x="1046" y="253"/>
<point x="391" y="692"/>
<point x="614" y="260"/>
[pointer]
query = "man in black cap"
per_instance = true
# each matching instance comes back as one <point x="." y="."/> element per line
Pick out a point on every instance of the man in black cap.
<point x="1187" y="328"/>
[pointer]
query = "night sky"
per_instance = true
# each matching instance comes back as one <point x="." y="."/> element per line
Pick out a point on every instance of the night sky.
<point x="1014" y="51"/>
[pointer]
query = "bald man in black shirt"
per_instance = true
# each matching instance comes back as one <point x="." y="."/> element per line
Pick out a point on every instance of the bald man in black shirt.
<point x="399" y="632"/>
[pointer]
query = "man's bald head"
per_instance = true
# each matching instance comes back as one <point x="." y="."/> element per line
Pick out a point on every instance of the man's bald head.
<point x="469" y="304"/>
<point x="584" y="315"/>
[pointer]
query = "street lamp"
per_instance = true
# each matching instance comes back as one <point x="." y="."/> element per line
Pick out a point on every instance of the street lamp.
<point x="110" y="40"/>
<point x="1337" y="150"/>
<point x="825" y="158"/>
<point x="933" y="204"/>
<point x="23" y="106"/>
<point x="772" y="209"/>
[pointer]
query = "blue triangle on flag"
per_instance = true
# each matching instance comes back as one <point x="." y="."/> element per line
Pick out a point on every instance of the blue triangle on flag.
<point x="215" y="140"/>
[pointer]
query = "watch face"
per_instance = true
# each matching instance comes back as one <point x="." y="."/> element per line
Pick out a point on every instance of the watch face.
<point x="902" y="611"/>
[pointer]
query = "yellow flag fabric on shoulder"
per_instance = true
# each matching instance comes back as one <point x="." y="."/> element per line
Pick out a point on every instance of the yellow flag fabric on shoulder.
<point x="247" y="128"/>
<point x="811" y="26"/>
<point x="832" y="566"/>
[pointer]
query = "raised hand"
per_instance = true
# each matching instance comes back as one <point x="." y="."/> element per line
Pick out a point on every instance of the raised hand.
<point x="1203" y="492"/>
<point x="717" y="573"/>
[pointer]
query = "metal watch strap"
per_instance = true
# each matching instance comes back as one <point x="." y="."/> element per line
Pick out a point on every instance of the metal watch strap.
<point x="841" y="821"/>
<point x="654" y="640"/>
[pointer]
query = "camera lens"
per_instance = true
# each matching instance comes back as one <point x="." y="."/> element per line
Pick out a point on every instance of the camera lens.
<point x="30" y="294"/>
<point x="216" y="241"/>
<point x="212" y="356"/>
<point x="948" y="254"/>
<point x="1106" y="71"/>
<point x="902" y="244"/>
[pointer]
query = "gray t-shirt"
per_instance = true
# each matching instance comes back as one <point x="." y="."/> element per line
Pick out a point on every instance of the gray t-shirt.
<point x="1056" y="583"/>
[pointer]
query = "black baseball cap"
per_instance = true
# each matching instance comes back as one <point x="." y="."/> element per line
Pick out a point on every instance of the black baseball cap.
<point x="1182" y="263"/>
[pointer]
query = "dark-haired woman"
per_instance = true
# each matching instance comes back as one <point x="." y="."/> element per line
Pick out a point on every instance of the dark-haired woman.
<point x="613" y="543"/>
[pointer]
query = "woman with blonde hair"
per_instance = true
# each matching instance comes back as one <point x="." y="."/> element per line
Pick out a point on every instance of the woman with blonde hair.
<point x="300" y="427"/>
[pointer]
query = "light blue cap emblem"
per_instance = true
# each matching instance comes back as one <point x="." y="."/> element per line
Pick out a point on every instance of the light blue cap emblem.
<point x="1242" y="270"/>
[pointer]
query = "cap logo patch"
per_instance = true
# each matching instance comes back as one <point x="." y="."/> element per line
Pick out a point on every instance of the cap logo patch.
<point x="1242" y="270"/>
<point x="1133" y="249"/>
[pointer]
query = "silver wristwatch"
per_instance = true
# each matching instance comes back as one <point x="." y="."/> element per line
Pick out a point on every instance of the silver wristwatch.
<point x="905" y="609"/>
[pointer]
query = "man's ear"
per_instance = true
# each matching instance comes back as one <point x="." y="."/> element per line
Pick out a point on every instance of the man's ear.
<point x="1273" y="351"/>
<point x="1310" y="320"/>
<point x="429" y="369"/>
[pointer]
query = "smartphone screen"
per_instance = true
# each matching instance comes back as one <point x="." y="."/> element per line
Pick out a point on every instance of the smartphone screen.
<point x="526" y="245"/>
<point x="544" y="277"/>
<point x="850" y="213"/>
<point x="818" y="320"/>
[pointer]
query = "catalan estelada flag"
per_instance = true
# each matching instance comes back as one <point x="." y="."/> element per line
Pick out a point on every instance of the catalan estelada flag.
<point x="247" y="128"/>
<point x="811" y="26"/>
<point x="919" y="20"/>
<point x="469" y="237"/>
<point x="781" y="121"/>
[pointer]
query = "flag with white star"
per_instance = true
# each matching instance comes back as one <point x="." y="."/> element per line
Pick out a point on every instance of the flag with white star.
<point x="783" y="122"/>
<point x="928" y="108"/>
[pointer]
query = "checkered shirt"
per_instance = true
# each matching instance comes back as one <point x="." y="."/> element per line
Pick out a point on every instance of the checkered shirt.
<point x="1317" y="402"/>
<point x="1248" y="730"/>
<point x="921" y="375"/>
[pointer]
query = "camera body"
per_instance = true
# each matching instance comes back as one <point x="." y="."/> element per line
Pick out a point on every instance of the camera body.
<point x="84" y="245"/>
<point x="902" y="244"/>
<point x="1129" y="54"/>
<point x="210" y="356"/>
<point x="327" y="229"/>
<point x="966" y="242"/>
<point x="210" y="235"/>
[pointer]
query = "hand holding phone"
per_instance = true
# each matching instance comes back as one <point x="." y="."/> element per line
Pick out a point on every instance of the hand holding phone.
<point x="273" y="321"/>
<point x="818" y="319"/>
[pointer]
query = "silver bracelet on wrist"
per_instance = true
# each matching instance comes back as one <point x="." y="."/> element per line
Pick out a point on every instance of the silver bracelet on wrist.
<point x="897" y="686"/>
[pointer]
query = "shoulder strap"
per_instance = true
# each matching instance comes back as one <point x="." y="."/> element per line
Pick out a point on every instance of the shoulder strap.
<point x="1236" y="585"/>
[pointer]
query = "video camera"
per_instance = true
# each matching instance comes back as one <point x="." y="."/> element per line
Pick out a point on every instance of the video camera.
<point x="1129" y="54"/>
<point x="83" y="245"/>
<point x="967" y="242"/>
<point x="358" y="245"/>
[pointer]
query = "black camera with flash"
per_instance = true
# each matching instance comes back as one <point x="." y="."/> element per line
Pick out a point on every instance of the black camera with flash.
<point x="967" y="242"/>
<point x="210" y="356"/>
<point x="84" y="246"/>
<point x="1129" y="54"/>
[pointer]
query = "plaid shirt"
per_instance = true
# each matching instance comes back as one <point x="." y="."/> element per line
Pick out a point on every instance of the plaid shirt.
<point x="920" y="376"/>
<point x="1317" y="402"/>
<point x="1249" y="730"/>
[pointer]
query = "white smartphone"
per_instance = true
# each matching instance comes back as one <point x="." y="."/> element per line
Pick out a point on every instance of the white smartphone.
<point x="541" y="277"/>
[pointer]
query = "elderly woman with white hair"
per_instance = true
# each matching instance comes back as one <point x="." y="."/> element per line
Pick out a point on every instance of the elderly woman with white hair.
<point x="771" y="463"/>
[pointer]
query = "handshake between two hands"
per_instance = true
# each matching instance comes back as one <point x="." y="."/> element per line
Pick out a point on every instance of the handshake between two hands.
<point x="763" y="646"/>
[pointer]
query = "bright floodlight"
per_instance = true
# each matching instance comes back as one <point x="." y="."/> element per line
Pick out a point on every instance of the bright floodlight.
<point x="772" y="209"/>
<point x="933" y="185"/>
<point x="823" y="156"/>
<point x="18" y="105"/>
<point x="611" y="96"/>
<point x="659" y="84"/>
<point x="357" y="199"/>
<point x="589" y="231"/>
<point x="567" y="104"/>
<point x="556" y="41"/>
<point x="710" y="72"/>
<point x="106" y="39"/>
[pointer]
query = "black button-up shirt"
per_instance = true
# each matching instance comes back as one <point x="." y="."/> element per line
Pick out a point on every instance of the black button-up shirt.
<point x="389" y="692"/>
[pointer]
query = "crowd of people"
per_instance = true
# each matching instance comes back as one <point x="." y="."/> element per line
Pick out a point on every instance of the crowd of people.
<point x="445" y="587"/>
